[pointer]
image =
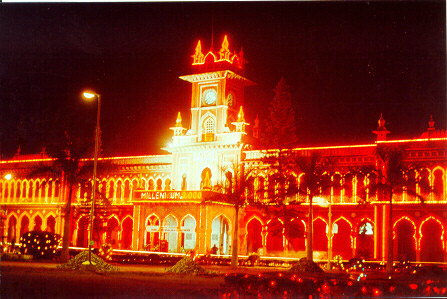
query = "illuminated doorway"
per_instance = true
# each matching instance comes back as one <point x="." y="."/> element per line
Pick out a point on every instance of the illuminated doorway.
<point x="220" y="234"/>
<point x="170" y="232"/>
<point x="254" y="236"/>
<point x="188" y="233"/>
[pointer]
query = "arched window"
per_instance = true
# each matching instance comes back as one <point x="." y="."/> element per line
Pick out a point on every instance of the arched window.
<point x="168" y="185"/>
<point x="159" y="183"/>
<point x="208" y="129"/>
<point x="151" y="185"/>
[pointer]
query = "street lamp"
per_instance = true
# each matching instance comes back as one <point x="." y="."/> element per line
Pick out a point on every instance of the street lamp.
<point x="87" y="95"/>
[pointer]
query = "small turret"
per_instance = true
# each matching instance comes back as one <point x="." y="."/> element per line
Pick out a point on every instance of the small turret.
<point x="381" y="131"/>
<point x="240" y="123"/>
<point x="178" y="128"/>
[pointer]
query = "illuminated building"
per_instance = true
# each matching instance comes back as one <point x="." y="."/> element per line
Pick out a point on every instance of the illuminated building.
<point x="178" y="197"/>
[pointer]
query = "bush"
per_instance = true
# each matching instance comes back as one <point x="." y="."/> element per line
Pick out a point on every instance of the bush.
<point x="304" y="265"/>
<point x="41" y="245"/>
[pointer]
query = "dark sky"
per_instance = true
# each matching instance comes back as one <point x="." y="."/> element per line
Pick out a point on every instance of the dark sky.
<point x="345" y="62"/>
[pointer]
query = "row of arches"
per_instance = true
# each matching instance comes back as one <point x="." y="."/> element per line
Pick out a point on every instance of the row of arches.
<point x="19" y="225"/>
<point x="351" y="187"/>
<point x="348" y="240"/>
<point x="120" y="191"/>
<point x="177" y="236"/>
<point x="112" y="230"/>
<point x="38" y="190"/>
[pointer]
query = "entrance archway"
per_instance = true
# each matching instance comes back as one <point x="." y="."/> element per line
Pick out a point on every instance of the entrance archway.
<point x="126" y="237"/>
<point x="275" y="236"/>
<point x="12" y="226"/>
<point x="365" y="241"/>
<point x="341" y="239"/>
<point x="152" y="239"/>
<point x="297" y="237"/>
<point x="82" y="239"/>
<point x="404" y="242"/>
<point x="431" y="241"/>
<point x="51" y="224"/>
<point x="112" y="233"/>
<point x="24" y="226"/>
<point x="170" y="233"/>
<point x="254" y="235"/>
<point x="37" y="224"/>
<point x="220" y="234"/>
<point x="188" y="233"/>
<point x="319" y="235"/>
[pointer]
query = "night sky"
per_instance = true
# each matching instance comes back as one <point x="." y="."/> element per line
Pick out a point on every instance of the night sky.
<point x="345" y="62"/>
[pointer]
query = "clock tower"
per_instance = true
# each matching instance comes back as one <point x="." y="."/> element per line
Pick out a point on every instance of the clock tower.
<point x="215" y="135"/>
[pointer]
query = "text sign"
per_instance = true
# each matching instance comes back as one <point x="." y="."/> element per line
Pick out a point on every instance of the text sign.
<point x="168" y="195"/>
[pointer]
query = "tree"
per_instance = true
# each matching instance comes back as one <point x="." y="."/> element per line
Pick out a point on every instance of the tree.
<point x="280" y="126"/>
<point x="280" y="137"/>
<point x="238" y="188"/>
<point x="391" y="177"/>
<point x="70" y="167"/>
<point x="315" y="179"/>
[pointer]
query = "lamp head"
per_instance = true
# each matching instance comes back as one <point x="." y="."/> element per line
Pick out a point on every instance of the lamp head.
<point x="88" y="95"/>
<point x="8" y="176"/>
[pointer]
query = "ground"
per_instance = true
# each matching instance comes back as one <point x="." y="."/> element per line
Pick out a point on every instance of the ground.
<point x="42" y="280"/>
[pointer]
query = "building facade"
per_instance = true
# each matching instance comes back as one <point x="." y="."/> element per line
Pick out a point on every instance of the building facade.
<point x="176" y="202"/>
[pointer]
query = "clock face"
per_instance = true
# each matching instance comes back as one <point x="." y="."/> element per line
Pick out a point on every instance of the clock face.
<point x="210" y="96"/>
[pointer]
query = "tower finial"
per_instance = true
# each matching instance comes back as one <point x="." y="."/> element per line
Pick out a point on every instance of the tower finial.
<point x="198" y="55"/>
<point x="224" y="51"/>
<point x="240" y="123"/>
<point x="381" y="131"/>
<point x="178" y="128"/>
<point x="431" y="123"/>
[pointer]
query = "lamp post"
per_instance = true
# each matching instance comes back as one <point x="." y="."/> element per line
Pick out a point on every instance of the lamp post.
<point x="329" y="248"/>
<point x="90" y="96"/>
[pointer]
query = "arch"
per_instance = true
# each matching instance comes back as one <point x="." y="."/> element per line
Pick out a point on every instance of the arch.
<point x="18" y="191"/>
<point x="431" y="240"/>
<point x="112" y="231"/>
<point x="30" y="192"/>
<point x="126" y="190"/>
<point x="12" y="229"/>
<point x="205" y="179"/>
<point x="342" y="243"/>
<point x="82" y="232"/>
<point x="253" y="232"/>
<point x="220" y="234"/>
<point x="37" y="190"/>
<point x="51" y="223"/>
<point x="152" y="236"/>
<point x="275" y="235"/>
<point x="168" y="184"/>
<point x="348" y="187"/>
<point x="24" y="224"/>
<point x="188" y="228"/>
<point x="151" y="185"/>
<point x="126" y="232"/>
<point x="297" y="241"/>
<point x="404" y="238"/>
<point x="320" y="240"/>
<point x="119" y="191"/>
<point x="364" y="239"/>
<point x="336" y="188"/>
<point x="37" y="221"/>
<point x="170" y="233"/>
<point x="438" y="183"/>
<point x="208" y="128"/>
<point x="424" y="183"/>
<point x="111" y="189"/>
<point x="159" y="185"/>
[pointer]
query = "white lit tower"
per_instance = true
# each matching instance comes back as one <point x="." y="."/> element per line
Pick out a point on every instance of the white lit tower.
<point x="215" y="137"/>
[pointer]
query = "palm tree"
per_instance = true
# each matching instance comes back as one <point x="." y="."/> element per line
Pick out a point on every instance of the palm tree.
<point x="238" y="188"/>
<point x="315" y="179"/>
<point x="70" y="167"/>
<point x="391" y="178"/>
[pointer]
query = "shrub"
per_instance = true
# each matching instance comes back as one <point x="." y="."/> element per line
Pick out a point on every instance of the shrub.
<point x="305" y="265"/>
<point x="41" y="245"/>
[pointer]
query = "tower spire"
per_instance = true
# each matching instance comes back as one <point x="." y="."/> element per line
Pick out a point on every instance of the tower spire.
<point x="381" y="131"/>
<point x="178" y="128"/>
